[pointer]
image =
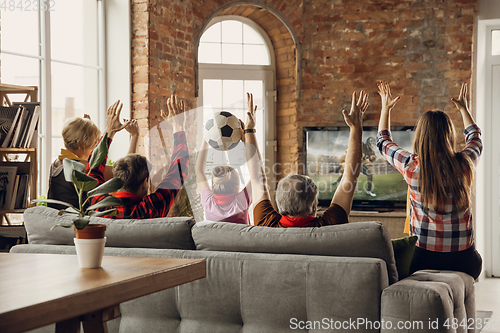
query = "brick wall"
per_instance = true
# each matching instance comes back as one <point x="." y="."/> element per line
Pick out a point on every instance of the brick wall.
<point x="423" y="48"/>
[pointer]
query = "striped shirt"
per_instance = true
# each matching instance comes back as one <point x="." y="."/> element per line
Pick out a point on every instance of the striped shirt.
<point x="447" y="231"/>
<point x="156" y="204"/>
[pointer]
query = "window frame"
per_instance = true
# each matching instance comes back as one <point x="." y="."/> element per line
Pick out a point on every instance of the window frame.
<point x="487" y="182"/>
<point x="266" y="73"/>
<point x="45" y="86"/>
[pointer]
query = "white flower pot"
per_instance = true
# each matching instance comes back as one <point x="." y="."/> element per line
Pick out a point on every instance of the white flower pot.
<point x="90" y="252"/>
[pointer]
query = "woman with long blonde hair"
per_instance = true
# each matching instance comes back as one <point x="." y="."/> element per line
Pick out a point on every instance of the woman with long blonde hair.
<point x="439" y="180"/>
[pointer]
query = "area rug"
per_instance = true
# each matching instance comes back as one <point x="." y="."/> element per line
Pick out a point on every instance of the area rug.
<point x="481" y="316"/>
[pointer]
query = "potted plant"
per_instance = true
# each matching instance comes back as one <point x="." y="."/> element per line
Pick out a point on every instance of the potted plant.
<point x="89" y="238"/>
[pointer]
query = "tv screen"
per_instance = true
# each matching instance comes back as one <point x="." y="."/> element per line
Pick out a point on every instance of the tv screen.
<point x="379" y="187"/>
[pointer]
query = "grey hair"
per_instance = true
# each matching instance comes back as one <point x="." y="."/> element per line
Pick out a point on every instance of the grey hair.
<point x="296" y="195"/>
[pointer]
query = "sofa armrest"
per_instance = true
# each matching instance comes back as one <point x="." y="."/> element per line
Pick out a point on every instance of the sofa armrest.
<point x="430" y="300"/>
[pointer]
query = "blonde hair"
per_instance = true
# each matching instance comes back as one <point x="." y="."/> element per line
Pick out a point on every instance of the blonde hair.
<point x="80" y="133"/>
<point x="443" y="171"/>
<point x="225" y="180"/>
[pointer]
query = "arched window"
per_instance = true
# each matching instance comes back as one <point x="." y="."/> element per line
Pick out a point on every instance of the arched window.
<point x="235" y="56"/>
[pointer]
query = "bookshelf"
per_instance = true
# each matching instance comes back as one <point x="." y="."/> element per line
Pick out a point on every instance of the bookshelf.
<point x="20" y="154"/>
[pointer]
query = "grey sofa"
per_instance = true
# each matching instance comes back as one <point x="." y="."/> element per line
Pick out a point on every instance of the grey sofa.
<point x="336" y="278"/>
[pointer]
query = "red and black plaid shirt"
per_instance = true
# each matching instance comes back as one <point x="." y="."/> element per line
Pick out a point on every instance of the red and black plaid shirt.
<point x="158" y="203"/>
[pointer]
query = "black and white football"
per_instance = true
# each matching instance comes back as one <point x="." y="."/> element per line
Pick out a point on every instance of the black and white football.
<point x="222" y="131"/>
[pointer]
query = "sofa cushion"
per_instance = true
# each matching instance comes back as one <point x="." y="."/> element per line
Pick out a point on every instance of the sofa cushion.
<point x="160" y="233"/>
<point x="360" y="239"/>
<point x="403" y="254"/>
<point x="253" y="293"/>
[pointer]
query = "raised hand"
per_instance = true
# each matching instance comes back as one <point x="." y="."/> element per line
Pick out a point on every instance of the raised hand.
<point x="176" y="108"/>
<point x="242" y="130"/>
<point x="385" y="94"/>
<point x="113" y="124"/>
<point x="461" y="102"/>
<point x="354" y="119"/>
<point x="250" y="124"/>
<point x="132" y="127"/>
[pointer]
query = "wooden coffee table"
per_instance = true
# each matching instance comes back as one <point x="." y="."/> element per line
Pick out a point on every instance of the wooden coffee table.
<point x="41" y="289"/>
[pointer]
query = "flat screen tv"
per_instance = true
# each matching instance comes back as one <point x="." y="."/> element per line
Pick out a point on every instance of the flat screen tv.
<point x="380" y="187"/>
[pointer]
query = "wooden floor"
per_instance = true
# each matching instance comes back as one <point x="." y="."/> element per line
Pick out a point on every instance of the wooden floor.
<point x="488" y="299"/>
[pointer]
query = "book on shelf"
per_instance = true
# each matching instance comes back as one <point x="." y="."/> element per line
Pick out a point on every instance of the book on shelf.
<point x="19" y="128"/>
<point x="7" y="180"/>
<point x="29" y="125"/>
<point x="14" y="193"/>
<point x="19" y="195"/>
<point x="22" y="192"/>
<point x="9" y="116"/>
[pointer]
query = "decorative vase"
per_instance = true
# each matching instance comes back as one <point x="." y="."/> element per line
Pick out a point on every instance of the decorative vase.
<point x="89" y="244"/>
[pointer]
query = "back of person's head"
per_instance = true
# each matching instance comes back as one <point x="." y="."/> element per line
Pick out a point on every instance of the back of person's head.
<point x="132" y="169"/>
<point x="297" y="195"/>
<point x="225" y="180"/>
<point x="440" y="164"/>
<point x="80" y="133"/>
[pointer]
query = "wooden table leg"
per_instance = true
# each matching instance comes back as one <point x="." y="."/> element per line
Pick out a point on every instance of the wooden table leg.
<point x="68" y="326"/>
<point x="95" y="322"/>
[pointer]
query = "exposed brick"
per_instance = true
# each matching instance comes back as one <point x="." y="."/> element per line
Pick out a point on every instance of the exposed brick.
<point x="417" y="46"/>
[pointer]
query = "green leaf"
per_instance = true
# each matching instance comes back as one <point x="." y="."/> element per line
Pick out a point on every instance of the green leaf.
<point x="112" y="185"/>
<point x="100" y="153"/>
<point x="64" y="225"/>
<point x="69" y="166"/>
<point x="81" y="223"/>
<point x="68" y="210"/>
<point x="55" y="202"/>
<point x="110" y="201"/>
<point x="110" y="212"/>
<point x="82" y="181"/>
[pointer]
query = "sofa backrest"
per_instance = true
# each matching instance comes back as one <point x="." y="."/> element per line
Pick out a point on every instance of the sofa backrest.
<point x="360" y="239"/>
<point x="160" y="233"/>
<point x="254" y="293"/>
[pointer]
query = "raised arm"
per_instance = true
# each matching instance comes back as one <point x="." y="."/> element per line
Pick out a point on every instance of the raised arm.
<point x="387" y="104"/>
<point x="133" y="129"/>
<point x="354" y="119"/>
<point x="113" y="126"/>
<point x="201" y="164"/>
<point x="258" y="178"/>
<point x="462" y="106"/>
<point x="158" y="204"/>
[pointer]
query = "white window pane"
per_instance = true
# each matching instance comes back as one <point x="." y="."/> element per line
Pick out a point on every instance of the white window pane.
<point x="209" y="53"/>
<point x="75" y="99"/>
<point x="255" y="88"/>
<point x="232" y="32"/>
<point x="212" y="34"/>
<point x="250" y="36"/>
<point x="232" y="54"/>
<point x="255" y="55"/>
<point x="19" y="30"/>
<point x="212" y="93"/>
<point x="20" y="71"/>
<point x="73" y="27"/>
<point x="57" y="144"/>
<point x="495" y="42"/>
<point x="232" y="94"/>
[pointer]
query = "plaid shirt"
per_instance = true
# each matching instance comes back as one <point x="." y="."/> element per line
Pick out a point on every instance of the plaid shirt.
<point x="449" y="231"/>
<point x="158" y="203"/>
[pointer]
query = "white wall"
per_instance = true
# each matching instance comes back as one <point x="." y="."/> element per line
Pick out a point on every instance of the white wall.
<point x="118" y="67"/>
<point x="489" y="9"/>
<point x="487" y="176"/>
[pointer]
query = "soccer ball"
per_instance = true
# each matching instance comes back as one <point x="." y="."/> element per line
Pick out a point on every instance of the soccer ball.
<point x="222" y="131"/>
